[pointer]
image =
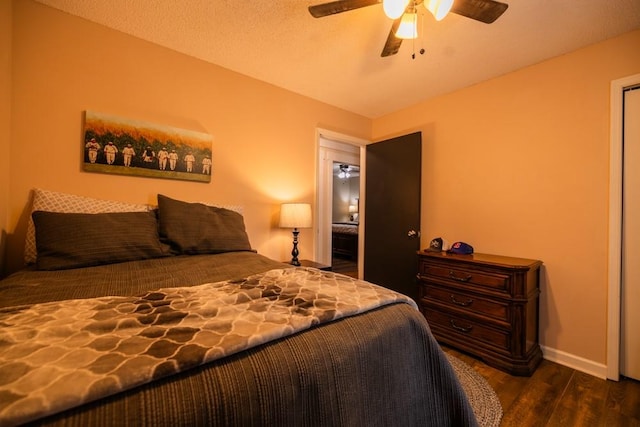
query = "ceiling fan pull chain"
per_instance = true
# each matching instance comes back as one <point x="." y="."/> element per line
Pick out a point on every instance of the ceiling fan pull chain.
<point x="413" y="49"/>
<point x="424" y="36"/>
<point x="413" y="40"/>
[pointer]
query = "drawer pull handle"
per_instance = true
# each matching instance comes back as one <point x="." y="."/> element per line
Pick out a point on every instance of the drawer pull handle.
<point x="459" y="279"/>
<point x="460" y="328"/>
<point x="461" y="303"/>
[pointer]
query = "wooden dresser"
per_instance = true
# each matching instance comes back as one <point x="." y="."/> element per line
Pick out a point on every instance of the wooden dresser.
<point x="486" y="305"/>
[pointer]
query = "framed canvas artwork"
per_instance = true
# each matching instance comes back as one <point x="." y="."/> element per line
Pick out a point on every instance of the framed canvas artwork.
<point x="124" y="146"/>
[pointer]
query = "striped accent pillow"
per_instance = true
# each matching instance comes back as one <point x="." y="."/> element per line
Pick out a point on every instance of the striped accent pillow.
<point x="195" y="228"/>
<point x="73" y="240"/>
<point x="52" y="201"/>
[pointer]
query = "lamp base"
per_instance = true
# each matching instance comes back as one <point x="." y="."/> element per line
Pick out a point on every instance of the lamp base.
<point x="294" y="251"/>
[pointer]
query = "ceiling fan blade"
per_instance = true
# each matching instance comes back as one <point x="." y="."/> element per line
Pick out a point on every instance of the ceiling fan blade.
<point x="393" y="43"/>
<point x="339" y="6"/>
<point x="485" y="11"/>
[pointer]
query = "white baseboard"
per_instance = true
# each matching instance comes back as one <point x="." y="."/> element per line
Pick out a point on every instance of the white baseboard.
<point x="572" y="361"/>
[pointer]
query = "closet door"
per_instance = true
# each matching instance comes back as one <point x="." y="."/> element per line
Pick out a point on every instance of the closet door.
<point x="630" y="301"/>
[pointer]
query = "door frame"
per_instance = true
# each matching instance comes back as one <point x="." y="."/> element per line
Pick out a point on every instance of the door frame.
<point x="324" y="189"/>
<point x="615" y="222"/>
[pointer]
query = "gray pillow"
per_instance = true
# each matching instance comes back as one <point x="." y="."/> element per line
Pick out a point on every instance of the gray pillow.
<point x="195" y="228"/>
<point x="72" y="240"/>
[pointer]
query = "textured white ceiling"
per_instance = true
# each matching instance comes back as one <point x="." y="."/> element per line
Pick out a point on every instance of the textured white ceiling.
<point x="336" y="59"/>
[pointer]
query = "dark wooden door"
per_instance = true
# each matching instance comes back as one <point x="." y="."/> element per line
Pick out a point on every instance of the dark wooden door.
<point x="392" y="212"/>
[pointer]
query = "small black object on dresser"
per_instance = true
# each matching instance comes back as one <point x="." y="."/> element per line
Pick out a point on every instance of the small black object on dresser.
<point x="486" y="305"/>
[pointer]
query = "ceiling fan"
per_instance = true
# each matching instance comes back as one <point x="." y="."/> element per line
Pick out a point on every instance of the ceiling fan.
<point x="486" y="11"/>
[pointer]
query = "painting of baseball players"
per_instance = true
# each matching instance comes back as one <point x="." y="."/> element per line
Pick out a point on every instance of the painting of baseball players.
<point x="123" y="146"/>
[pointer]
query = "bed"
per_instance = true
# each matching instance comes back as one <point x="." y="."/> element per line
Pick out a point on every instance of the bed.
<point x="192" y="327"/>
<point x="344" y="238"/>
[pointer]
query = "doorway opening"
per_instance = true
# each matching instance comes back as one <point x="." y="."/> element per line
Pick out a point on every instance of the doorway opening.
<point x="337" y="196"/>
<point x="345" y="223"/>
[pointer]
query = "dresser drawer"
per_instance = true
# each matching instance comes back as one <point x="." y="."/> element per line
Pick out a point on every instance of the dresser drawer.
<point x="465" y="301"/>
<point x="452" y="327"/>
<point x="498" y="282"/>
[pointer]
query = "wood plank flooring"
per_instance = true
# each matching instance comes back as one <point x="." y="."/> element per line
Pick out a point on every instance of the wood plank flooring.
<point x="556" y="395"/>
<point x="344" y="266"/>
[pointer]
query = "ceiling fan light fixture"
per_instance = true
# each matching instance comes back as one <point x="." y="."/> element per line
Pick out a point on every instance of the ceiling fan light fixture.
<point x="408" y="28"/>
<point x="438" y="8"/>
<point x="344" y="172"/>
<point x="394" y="8"/>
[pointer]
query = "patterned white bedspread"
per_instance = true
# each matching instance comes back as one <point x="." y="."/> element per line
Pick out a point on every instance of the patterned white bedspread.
<point x="58" y="355"/>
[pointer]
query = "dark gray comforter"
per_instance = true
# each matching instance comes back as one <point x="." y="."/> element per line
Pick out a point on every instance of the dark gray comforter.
<point x="382" y="367"/>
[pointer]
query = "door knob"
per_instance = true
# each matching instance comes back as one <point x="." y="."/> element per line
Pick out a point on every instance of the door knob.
<point x="413" y="234"/>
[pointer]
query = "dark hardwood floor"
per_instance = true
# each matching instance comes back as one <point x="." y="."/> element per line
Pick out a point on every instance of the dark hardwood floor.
<point x="559" y="396"/>
<point x="344" y="266"/>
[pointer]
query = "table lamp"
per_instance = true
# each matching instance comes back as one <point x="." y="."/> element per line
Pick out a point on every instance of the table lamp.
<point x="353" y="212"/>
<point x="295" y="215"/>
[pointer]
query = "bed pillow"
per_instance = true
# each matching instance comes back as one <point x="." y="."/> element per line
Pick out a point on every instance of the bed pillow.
<point x="195" y="228"/>
<point x="52" y="201"/>
<point x="72" y="240"/>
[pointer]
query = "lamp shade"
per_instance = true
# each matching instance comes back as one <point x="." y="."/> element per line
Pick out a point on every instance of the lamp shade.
<point x="295" y="215"/>
<point x="408" y="28"/>
<point x="438" y="8"/>
<point x="394" y="8"/>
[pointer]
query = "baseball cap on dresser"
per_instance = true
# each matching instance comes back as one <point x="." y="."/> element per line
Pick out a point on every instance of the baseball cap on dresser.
<point x="438" y="245"/>
<point x="461" y="248"/>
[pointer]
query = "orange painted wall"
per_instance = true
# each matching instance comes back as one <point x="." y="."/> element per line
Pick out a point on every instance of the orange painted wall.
<point x="5" y="119"/>
<point x="263" y="136"/>
<point x="519" y="165"/>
